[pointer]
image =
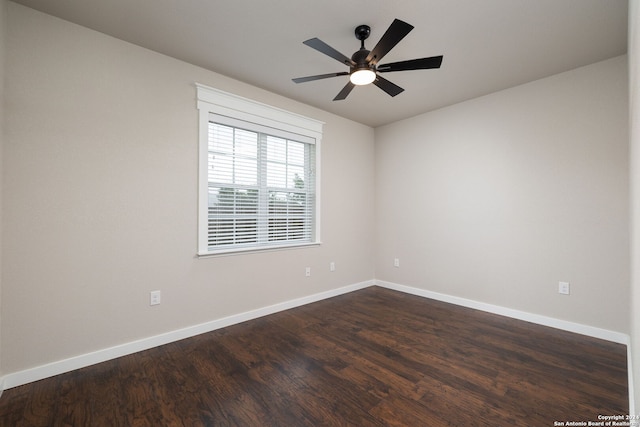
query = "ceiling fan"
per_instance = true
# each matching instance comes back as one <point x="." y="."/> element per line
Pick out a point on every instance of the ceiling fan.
<point x="363" y="64"/>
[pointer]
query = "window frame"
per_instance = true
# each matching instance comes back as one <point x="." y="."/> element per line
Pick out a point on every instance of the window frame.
<point x="219" y="106"/>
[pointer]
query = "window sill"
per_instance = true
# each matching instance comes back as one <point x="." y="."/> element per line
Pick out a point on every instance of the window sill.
<point x="243" y="251"/>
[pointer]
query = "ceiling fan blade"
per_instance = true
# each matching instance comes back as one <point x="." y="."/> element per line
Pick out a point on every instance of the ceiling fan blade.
<point x="396" y="32"/>
<point x="319" y="76"/>
<point x="322" y="47"/>
<point x="412" y="64"/>
<point x="344" y="92"/>
<point x="384" y="84"/>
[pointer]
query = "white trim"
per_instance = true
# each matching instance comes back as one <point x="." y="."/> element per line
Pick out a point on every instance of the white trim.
<point x="578" y="328"/>
<point x="217" y="102"/>
<point x="258" y="249"/>
<point x="565" y="325"/>
<point x="228" y="104"/>
<point x="203" y="184"/>
<point x="44" y="371"/>
<point x="259" y="128"/>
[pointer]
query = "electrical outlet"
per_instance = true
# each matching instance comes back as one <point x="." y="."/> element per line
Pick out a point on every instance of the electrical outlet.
<point x="154" y="297"/>
<point x="563" y="288"/>
<point x="332" y="266"/>
<point x="308" y="272"/>
<point x="396" y="262"/>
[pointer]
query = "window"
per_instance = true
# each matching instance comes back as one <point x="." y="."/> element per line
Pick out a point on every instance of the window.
<point x="258" y="175"/>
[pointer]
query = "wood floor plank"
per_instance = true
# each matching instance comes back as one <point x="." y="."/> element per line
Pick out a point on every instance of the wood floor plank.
<point x="374" y="357"/>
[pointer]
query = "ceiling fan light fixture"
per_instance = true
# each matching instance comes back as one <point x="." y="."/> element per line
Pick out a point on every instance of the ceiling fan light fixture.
<point x="363" y="64"/>
<point x="362" y="77"/>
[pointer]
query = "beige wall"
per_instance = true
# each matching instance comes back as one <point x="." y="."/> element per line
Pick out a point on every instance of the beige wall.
<point x="499" y="198"/>
<point x="634" y="98"/>
<point x="100" y="199"/>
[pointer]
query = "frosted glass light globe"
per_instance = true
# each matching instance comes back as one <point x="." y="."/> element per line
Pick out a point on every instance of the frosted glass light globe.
<point x="362" y="77"/>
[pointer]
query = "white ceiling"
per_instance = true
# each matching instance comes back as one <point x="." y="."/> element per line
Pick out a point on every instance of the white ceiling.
<point x="488" y="45"/>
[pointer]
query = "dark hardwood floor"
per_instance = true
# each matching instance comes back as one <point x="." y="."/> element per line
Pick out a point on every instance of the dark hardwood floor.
<point x="369" y="358"/>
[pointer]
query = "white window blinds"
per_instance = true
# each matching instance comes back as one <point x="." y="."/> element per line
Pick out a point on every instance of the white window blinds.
<point x="260" y="186"/>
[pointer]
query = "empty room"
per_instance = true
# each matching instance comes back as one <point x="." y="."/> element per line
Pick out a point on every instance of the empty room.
<point x="301" y="213"/>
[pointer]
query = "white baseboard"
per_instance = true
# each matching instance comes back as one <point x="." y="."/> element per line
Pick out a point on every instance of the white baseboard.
<point x="591" y="331"/>
<point x="578" y="328"/>
<point x="44" y="371"/>
<point x="59" y="367"/>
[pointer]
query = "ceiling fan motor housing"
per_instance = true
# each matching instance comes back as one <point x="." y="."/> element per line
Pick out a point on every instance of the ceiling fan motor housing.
<point x="360" y="58"/>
